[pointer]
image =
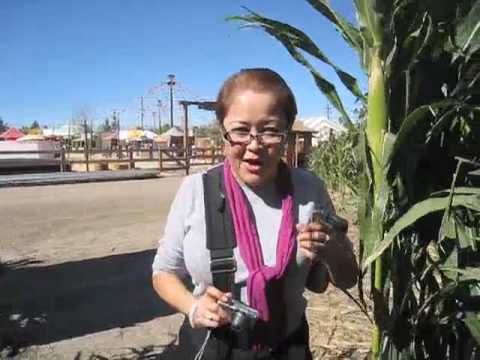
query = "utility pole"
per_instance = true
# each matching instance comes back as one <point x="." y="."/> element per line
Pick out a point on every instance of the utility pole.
<point x="171" y="84"/>
<point x="114" y="117"/>
<point x="159" y="104"/>
<point x="91" y="135"/>
<point x="116" y="120"/>
<point x="115" y="128"/>
<point x="328" y="112"/>
<point x="118" y="126"/>
<point x="186" y="139"/>
<point x="154" y="118"/>
<point x="85" y="144"/>
<point x="142" y="110"/>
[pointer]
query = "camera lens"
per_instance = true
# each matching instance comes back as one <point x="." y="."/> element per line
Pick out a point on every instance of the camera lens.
<point x="339" y="223"/>
<point x="238" y="321"/>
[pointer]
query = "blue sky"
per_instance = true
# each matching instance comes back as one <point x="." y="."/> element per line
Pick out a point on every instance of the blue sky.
<point x="59" y="57"/>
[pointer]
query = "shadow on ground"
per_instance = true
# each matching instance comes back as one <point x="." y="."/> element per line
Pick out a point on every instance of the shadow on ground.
<point x="169" y="352"/>
<point x="183" y="347"/>
<point x="44" y="304"/>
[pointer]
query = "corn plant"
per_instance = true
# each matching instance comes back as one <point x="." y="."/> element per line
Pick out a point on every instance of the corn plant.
<point x="419" y="219"/>
<point x="336" y="162"/>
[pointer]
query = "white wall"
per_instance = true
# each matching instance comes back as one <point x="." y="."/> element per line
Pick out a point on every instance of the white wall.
<point x="12" y="146"/>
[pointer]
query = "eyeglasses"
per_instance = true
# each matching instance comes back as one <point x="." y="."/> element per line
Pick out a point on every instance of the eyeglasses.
<point x="242" y="137"/>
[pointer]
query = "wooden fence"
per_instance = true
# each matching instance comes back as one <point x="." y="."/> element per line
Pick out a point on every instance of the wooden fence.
<point x="166" y="159"/>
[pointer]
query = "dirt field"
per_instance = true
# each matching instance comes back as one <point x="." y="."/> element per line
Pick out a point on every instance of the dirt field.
<point x="78" y="284"/>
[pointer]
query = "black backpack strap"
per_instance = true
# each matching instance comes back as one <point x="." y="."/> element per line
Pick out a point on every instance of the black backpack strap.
<point x="220" y="232"/>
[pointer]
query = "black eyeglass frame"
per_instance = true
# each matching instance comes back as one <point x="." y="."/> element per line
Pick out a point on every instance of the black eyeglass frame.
<point x="227" y="136"/>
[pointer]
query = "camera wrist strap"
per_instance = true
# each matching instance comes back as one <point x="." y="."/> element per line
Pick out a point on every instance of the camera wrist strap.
<point x="220" y="233"/>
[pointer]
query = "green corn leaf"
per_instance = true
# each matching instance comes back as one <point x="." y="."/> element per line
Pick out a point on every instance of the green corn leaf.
<point x="411" y="122"/>
<point x="366" y="56"/>
<point x="327" y="88"/>
<point x="370" y="19"/>
<point x="451" y="262"/>
<point x="443" y="121"/>
<point x="416" y="212"/>
<point x="459" y="190"/>
<point x="473" y="325"/>
<point x="294" y="39"/>
<point x="469" y="273"/>
<point x="300" y="40"/>
<point x="443" y="292"/>
<point x="466" y="274"/>
<point x="465" y="236"/>
<point x="468" y="31"/>
<point x="368" y="230"/>
<point x="389" y="140"/>
<point x="371" y="233"/>
<point x="381" y="200"/>
<point x="475" y="172"/>
<point x="448" y="229"/>
<point x="416" y="41"/>
<point x="349" y="32"/>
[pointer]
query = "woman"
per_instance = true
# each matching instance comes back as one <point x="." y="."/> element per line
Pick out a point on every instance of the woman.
<point x="279" y="250"/>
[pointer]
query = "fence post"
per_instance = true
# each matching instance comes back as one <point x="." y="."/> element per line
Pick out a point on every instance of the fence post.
<point x="119" y="152"/>
<point x="130" y="157"/>
<point x="62" y="159"/>
<point x="160" y="165"/>
<point x="187" y="161"/>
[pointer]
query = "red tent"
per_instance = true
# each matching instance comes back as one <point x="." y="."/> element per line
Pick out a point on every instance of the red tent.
<point x="11" y="134"/>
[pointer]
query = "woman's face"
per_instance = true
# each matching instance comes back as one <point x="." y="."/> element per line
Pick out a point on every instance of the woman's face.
<point x="255" y="163"/>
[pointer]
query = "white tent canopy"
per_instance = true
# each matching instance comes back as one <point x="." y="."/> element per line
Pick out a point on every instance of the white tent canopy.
<point x="174" y="131"/>
<point x="64" y="131"/>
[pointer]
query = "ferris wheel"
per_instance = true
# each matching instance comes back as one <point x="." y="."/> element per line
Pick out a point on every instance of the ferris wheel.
<point x="158" y="106"/>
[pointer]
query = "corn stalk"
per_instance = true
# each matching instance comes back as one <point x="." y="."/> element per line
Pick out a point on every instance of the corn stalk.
<point x="336" y="162"/>
<point x="420" y="208"/>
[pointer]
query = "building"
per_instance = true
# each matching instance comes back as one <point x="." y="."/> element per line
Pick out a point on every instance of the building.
<point x="323" y="127"/>
<point x="299" y="144"/>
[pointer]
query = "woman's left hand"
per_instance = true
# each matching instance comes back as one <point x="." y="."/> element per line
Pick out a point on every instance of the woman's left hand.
<point x="321" y="242"/>
<point x="312" y="239"/>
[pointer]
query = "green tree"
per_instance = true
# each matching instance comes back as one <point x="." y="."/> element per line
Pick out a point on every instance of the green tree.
<point x="34" y="128"/>
<point x="420" y="213"/>
<point x="165" y="127"/>
<point x="211" y="130"/>
<point x="3" y="125"/>
<point x="106" y="126"/>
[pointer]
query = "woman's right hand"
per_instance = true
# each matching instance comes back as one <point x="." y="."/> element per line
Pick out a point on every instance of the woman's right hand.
<point x="208" y="312"/>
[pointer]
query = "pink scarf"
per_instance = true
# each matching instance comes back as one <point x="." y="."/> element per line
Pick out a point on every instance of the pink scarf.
<point x="250" y="246"/>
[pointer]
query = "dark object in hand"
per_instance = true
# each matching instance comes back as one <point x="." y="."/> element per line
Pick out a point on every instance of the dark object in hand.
<point x="243" y="316"/>
<point x="319" y="216"/>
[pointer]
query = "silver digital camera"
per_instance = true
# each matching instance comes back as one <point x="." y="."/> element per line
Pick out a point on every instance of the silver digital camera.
<point x="243" y="316"/>
<point x="320" y="216"/>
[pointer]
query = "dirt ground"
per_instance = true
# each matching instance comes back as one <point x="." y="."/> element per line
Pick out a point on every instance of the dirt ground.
<point x="78" y="287"/>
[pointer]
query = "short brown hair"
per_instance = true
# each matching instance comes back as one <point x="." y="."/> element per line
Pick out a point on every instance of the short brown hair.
<point x="261" y="80"/>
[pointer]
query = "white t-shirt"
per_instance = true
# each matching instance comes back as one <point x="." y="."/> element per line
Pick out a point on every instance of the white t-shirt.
<point x="182" y="249"/>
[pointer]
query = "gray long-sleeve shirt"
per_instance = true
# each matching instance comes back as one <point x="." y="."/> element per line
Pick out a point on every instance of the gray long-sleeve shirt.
<point x="182" y="249"/>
